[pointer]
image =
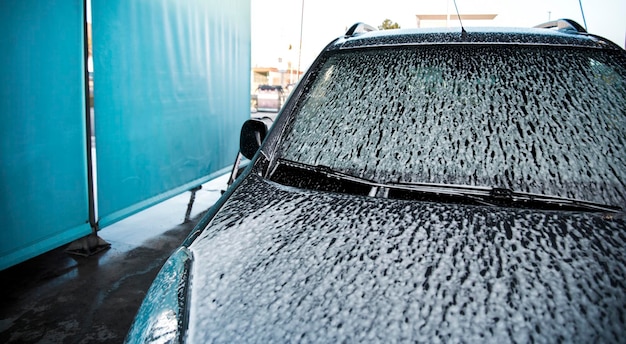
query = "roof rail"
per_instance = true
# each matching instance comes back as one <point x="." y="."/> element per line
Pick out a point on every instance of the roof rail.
<point x="359" y="28"/>
<point x="563" y="25"/>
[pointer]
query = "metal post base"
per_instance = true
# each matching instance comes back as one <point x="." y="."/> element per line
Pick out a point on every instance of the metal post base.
<point x="87" y="246"/>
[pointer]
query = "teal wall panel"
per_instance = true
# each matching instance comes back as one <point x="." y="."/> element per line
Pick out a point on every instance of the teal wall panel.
<point x="172" y="83"/>
<point x="43" y="179"/>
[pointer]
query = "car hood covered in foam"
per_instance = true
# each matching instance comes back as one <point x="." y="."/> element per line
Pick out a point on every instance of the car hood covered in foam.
<point x="279" y="264"/>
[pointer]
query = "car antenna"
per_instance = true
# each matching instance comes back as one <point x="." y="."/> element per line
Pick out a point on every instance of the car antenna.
<point x="463" y="32"/>
<point x="583" y="13"/>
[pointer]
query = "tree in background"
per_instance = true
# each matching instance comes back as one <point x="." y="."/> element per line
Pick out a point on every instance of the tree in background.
<point x="388" y="25"/>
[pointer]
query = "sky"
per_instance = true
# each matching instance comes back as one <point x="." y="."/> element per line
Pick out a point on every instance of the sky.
<point x="276" y="24"/>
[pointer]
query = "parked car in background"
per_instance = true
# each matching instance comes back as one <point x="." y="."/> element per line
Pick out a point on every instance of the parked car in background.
<point x="90" y="85"/>
<point x="269" y="98"/>
<point x="420" y="185"/>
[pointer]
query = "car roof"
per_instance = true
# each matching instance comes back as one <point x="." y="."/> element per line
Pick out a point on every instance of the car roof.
<point x="562" y="32"/>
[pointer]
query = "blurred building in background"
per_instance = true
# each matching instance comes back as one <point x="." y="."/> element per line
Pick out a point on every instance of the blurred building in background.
<point x="447" y="20"/>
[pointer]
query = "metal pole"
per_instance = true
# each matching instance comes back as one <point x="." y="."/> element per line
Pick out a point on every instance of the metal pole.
<point x="300" y="49"/>
<point x="583" y="13"/>
<point x="92" y="243"/>
<point x="90" y="178"/>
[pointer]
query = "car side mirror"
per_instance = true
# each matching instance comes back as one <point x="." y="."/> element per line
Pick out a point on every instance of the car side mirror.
<point x="253" y="133"/>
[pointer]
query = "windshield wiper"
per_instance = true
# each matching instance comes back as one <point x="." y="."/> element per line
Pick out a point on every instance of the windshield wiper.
<point x="324" y="178"/>
<point x="509" y="198"/>
<point x="320" y="177"/>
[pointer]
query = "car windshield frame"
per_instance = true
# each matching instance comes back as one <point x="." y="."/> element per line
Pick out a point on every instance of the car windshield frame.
<point x="555" y="95"/>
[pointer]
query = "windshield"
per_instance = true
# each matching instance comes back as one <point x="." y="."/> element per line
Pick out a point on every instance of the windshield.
<point x="548" y="120"/>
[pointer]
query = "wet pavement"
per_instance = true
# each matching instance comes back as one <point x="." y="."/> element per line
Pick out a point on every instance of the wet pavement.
<point x="62" y="298"/>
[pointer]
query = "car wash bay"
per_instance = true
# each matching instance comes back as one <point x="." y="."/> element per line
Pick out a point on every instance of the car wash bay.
<point x="171" y="90"/>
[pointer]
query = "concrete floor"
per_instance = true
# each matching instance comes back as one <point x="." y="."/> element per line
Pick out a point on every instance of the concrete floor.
<point x="62" y="298"/>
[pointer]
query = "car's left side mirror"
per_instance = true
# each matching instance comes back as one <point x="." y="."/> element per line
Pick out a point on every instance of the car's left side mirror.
<point x="253" y="133"/>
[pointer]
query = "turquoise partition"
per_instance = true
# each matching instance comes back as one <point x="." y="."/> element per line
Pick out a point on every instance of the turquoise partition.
<point x="43" y="179"/>
<point x="171" y="82"/>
